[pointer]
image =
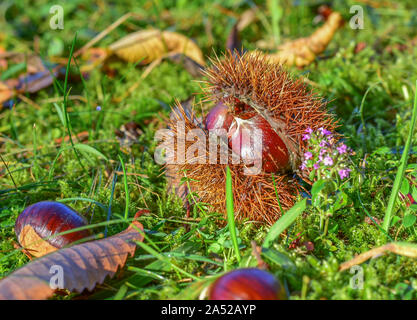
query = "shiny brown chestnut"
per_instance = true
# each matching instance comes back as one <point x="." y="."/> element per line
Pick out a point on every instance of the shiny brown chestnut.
<point x="38" y="227"/>
<point x="245" y="129"/>
<point x="247" y="284"/>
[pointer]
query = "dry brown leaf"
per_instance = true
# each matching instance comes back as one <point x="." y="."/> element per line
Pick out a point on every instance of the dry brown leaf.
<point x="3" y="62"/>
<point x="149" y="45"/>
<point x="233" y="42"/>
<point x="246" y="18"/>
<point x="84" y="266"/>
<point x="194" y="68"/>
<point x="400" y="248"/>
<point x="34" y="78"/>
<point x="6" y="93"/>
<point x="301" y="52"/>
<point x="35" y="82"/>
<point x="33" y="62"/>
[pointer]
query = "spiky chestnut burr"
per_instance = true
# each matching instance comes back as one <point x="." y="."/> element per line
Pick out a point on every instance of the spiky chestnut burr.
<point x="248" y="88"/>
<point x="37" y="228"/>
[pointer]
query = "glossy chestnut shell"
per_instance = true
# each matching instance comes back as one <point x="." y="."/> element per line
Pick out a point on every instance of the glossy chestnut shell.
<point x="45" y="220"/>
<point x="247" y="284"/>
<point x="245" y="128"/>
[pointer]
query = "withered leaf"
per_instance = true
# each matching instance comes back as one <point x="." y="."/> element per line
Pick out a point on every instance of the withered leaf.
<point x="128" y="134"/>
<point x="193" y="67"/>
<point x="33" y="62"/>
<point x="149" y="45"/>
<point x="6" y="93"/>
<point x="84" y="266"/>
<point x="34" y="82"/>
<point x="301" y="52"/>
<point x="233" y="42"/>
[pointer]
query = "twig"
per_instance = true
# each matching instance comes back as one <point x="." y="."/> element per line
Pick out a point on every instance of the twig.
<point x="102" y="34"/>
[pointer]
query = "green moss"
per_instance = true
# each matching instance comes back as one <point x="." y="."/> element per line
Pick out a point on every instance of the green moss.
<point x="198" y="245"/>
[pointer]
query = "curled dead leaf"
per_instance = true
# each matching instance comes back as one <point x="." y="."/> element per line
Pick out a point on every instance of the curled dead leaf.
<point x="301" y="52"/>
<point x="83" y="266"/>
<point x="149" y="45"/>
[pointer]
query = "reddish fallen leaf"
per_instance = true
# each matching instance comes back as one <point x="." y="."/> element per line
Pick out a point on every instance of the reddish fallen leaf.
<point x="80" y="137"/>
<point x="370" y="221"/>
<point x="83" y="266"/>
<point x="325" y="11"/>
<point x="408" y="46"/>
<point x="359" y="47"/>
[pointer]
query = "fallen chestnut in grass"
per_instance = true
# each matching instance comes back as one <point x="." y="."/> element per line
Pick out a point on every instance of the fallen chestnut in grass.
<point x="247" y="284"/>
<point x="38" y="226"/>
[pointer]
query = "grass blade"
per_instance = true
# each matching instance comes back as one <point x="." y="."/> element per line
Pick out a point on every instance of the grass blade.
<point x="126" y="187"/>
<point x="90" y="150"/>
<point x="400" y="173"/>
<point x="231" y="213"/>
<point x="284" y="222"/>
<point x="275" y="11"/>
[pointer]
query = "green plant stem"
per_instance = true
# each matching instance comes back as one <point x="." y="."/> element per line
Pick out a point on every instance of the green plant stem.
<point x="126" y="187"/>
<point x="231" y="213"/>
<point x="326" y="226"/>
<point x="276" y="193"/>
<point x="400" y="173"/>
<point x="65" y="103"/>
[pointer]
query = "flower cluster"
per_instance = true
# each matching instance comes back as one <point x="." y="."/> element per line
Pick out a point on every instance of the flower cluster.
<point x="326" y="158"/>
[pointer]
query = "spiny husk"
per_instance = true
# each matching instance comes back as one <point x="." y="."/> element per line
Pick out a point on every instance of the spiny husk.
<point x="287" y="104"/>
<point x="254" y="195"/>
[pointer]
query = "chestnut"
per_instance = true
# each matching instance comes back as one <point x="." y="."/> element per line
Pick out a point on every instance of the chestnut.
<point x="246" y="128"/>
<point x="218" y="118"/>
<point x="247" y="284"/>
<point x="37" y="227"/>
